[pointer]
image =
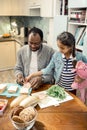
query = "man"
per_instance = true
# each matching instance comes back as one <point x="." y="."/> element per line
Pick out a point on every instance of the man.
<point x="33" y="57"/>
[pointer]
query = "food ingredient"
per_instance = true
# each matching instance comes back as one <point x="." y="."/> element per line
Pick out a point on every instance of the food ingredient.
<point x="17" y="100"/>
<point x="57" y="92"/>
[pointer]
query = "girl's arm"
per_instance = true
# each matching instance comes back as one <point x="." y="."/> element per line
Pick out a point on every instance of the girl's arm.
<point x="39" y="73"/>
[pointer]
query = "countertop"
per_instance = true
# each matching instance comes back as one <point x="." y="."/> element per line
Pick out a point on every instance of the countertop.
<point x="20" y="40"/>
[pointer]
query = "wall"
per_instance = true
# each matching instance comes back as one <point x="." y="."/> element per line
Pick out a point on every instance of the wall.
<point x="4" y="25"/>
<point x="42" y="23"/>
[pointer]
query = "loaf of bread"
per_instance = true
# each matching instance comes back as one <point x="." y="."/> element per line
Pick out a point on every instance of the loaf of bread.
<point x="29" y="101"/>
<point x="23" y="116"/>
<point x="27" y="114"/>
<point x="2" y="88"/>
<point x="12" y="89"/>
<point x="17" y="100"/>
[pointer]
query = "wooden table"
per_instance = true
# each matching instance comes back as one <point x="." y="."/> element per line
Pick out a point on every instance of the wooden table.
<point x="71" y="115"/>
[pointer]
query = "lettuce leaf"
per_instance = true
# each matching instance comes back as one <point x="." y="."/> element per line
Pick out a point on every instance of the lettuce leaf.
<point x="57" y="92"/>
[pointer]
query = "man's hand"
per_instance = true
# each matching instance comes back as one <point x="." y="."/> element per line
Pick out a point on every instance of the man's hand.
<point x="35" y="82"/>
<point x="20" y="79"/>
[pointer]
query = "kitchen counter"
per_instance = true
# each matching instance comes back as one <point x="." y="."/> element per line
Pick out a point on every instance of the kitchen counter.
<point x="19" y="40"/>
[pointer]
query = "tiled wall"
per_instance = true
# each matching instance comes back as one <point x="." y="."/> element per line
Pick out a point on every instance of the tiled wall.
<point x="42" y="23"/>
<point x="4" y="25"/>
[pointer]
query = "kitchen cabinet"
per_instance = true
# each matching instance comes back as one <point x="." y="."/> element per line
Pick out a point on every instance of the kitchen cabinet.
<point x="43" y="8"/>
<point x="33" y="7"/>
<point x="13" y="8"/>
<point x="47" y="7"/>
<point x="77" y="20"/>
<point x="34" y="3"/>
<point x="5" y="7"/>
<point x="18" y="7"/>
<point x="7" y="55"/>
<point x="52" y="8"/>
<point x="40" y="8"/>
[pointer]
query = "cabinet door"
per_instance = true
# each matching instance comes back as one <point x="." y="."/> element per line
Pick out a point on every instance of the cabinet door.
<point x="23" y="8"/>
<point x="18" y="7"/>
<point x="47" y="7"/>
<point x="13" y="7"/>
<point x="33" y="3"/>
<point x="33" y="7"/>
<point x="5" y="7"/>
<point x="7" y="55"/>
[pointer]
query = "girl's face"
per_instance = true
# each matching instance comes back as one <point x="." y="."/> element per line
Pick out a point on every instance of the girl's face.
<point x="63" y="48"/>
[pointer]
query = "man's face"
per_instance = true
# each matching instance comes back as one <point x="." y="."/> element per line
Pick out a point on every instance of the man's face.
<point x="34" y="41"/>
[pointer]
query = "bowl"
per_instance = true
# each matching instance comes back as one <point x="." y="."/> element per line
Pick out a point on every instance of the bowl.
<point x="27" y="125"/>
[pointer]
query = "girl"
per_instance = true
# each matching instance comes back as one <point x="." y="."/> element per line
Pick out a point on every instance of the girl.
<point x="63" y="62"/>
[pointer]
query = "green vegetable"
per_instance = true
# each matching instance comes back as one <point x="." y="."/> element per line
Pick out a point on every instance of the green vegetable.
<point x="57" y="92"/>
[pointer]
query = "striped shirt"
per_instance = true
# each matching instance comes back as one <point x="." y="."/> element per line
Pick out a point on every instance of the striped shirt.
<point x="67" y="76"/>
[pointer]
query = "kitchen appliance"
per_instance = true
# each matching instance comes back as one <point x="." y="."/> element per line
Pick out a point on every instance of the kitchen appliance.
<point x="24" y="34"/>
<point x="24" y="31"/>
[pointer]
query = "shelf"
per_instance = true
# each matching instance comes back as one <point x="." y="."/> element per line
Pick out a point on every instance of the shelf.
<point x="77" y="3"/>
<point x="75" y="23"/>
<point x="79" y="47"/>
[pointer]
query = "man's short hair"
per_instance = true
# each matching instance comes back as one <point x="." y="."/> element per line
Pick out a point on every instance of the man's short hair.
<point x="36" y="30"/>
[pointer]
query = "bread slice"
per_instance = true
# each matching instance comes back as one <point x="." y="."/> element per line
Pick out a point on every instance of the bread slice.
<point x="24" y="90"/>
<point x="12" y="89"/>
<point x="2" y="88"/>
<point x="27" y="85"/>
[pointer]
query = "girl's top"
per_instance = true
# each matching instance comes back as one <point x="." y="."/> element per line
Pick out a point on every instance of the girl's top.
<point x="67" y="76"/>
<point x="56" y="66"/>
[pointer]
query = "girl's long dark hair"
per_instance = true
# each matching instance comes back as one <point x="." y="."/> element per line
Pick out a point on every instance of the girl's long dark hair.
<point x="66" y="38"/>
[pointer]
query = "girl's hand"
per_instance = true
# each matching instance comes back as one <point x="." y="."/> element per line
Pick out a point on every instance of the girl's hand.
<point x="39" y="73"/>
<point x="28" y="78"/>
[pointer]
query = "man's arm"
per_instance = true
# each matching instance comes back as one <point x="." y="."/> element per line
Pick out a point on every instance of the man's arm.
<point x="18" y="70"/>
<point x="19" y="65"/>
